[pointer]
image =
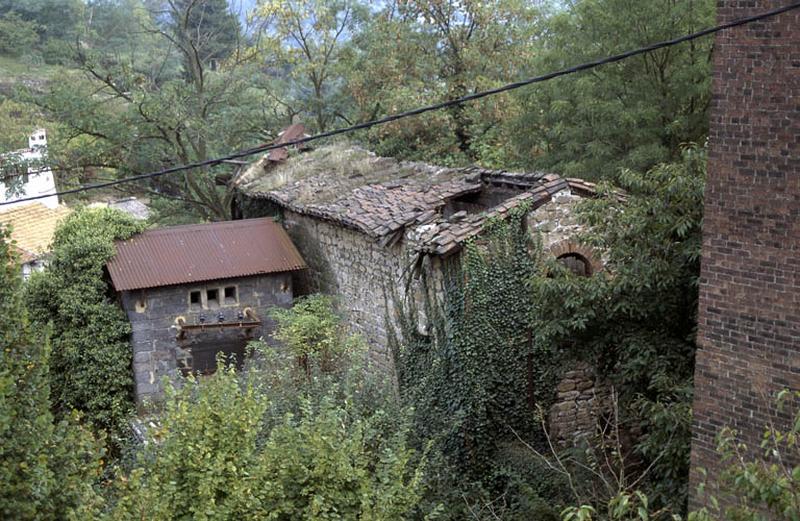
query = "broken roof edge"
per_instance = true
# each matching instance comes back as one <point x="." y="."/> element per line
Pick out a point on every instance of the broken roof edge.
<point x="343" y="184"/>
<point x="450" y="242"/>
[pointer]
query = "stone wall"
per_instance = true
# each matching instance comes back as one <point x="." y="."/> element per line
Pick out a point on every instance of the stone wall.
<point x="152" y="313"/>
<point x="359" y="272"/>
<point x="579" y="400"/>
<point x="749" y="310"/>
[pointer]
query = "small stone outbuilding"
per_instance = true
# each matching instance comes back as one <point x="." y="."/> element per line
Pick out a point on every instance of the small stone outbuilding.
<point x="191" y="292"/>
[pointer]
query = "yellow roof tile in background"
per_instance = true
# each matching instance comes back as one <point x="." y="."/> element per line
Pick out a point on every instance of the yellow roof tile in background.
<point x="33" y="226"/>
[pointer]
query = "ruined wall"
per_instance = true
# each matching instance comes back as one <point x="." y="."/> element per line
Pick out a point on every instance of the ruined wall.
<point x="354" y="268"/>
<point x="749" y="311"/>
<point x="580" y="398"/>
<point x="152" y="312"/>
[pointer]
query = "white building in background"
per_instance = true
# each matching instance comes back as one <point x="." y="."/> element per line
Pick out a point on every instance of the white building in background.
<point x="35" y="179"/>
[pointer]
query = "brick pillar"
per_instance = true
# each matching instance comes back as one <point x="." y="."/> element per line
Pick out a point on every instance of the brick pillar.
<point x="749" y="315"/>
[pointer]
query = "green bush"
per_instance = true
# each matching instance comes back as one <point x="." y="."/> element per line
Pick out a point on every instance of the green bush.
<point x="220" y="453"/>
<point x="47" y="468"/>
<point x="91" y="361"/>
<point x="17" y="36"/>
<point x="282" y="440"/>
<point x="637" y="319"/>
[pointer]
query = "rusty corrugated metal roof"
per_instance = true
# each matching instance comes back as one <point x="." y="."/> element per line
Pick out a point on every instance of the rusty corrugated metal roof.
<point x="202" y="252"/>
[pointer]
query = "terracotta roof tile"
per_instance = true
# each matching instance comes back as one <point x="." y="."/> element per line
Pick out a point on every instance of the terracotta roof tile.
<point x="32" y="227"/>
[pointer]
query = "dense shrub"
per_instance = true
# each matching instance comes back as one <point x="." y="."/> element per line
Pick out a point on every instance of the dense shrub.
<point x="47" y="468"/>
<point x="281" y="441"/>
<point x="91" y="362"/>
<point x="637" y="320"/>
<point x="476" y="376"/>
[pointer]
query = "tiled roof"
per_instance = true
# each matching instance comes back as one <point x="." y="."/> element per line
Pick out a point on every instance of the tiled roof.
<point x="201" y="252"/>
<point x="33" y="226"/>
<point x="381" y="197"/>
<point x="444" y="236"/>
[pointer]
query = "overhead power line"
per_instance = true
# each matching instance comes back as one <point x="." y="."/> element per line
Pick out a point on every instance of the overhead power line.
<point x="428" y="108"/>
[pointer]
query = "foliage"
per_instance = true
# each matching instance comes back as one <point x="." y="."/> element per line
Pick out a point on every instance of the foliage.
<point x="17" y="121"/>
<point x="416" y="53"/>
<point x="637" y="319"/>
<point x="474" y="374"/>
<point x="756" y="486"/>
<point x="309" y="41"/>
<point x="91" y="361"/>
<point x="159" y="98"/>
<point x="275" y="444"/>
<point x="633" y="506"/>
<point x="206" y="31"/>
<point x="16" y="35"/>
<point x="47" y="468"/>
<point x="634" y="113"/>
<point x="48" y="28"/>
<point x="311" y="326"/>
<point x="765" y="481"/>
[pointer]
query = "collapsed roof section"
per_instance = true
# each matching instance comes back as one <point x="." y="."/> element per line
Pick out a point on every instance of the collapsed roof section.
<point x="383" y="197"/>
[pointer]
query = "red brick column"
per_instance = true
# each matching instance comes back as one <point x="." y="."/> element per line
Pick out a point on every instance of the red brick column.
<point x="749" y="315"/>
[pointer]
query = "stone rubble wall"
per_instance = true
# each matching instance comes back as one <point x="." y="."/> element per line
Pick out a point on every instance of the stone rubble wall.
<point x="580" y="399"/>
<point x="357" y="270"/>
<point x="156" y="351"/>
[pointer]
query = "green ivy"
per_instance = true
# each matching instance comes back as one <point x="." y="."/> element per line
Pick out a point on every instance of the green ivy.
<point x="47" y="467"/>
<point x="91" y="362"/>
<point x="475" y="380"/>
<point x="636" y="321"/>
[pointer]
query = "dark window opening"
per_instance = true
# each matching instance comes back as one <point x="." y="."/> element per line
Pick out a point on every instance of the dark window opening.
<point x="230" y="295"/>
<point x="195" y="300"/>
<point x="212" y="298"/>
<point x="576" y="263"/>
<point x="203" y="359"/>
<point x="476" y="202"/>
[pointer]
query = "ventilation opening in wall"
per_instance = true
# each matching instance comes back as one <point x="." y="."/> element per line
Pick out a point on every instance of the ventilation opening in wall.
<point x="212" y="298"/>
<point x="230" y="295"/>
<point x="576" y="263"/>
<point x="195" y="300"/>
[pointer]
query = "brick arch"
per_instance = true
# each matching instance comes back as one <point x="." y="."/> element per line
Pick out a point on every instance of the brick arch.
<point x="568" y="246"/>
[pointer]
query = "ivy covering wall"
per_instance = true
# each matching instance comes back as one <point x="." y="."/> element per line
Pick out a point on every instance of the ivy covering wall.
<point x="511" y="320"/>
<point x="476" y="377"/>
<point x="90" y="367"/>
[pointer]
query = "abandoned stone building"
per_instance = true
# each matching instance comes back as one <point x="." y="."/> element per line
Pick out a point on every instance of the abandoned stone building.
<point x="364" y="223"/>
<point x="193" y="291"/>
<point x="749" y="309"/>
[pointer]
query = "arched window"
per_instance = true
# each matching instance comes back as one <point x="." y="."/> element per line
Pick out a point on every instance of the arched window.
<point x="576" y="263"/>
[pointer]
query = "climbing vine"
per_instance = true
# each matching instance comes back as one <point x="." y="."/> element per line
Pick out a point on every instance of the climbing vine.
<point x="475" y="375"/>
<point x="91" y="361"/>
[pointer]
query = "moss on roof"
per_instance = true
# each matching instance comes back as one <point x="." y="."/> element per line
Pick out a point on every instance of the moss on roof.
<point x="327" y="173"/>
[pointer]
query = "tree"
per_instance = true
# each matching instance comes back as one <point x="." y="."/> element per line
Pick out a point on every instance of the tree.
<point x="634" y="113"/>
<point x="91" y="363"/>
<point x="309" y="39"/>
<point x="205" y="31"/>
<point x="47" y="467"/>
<point x="269" y="445"/>
<point x="17" y="36"/>
<point x="415" y="53"/>
<point x="17" y="121"/>
<point x="162" y="108"/>
<point x="56" y="22"/>
<point x="637" y="320"/>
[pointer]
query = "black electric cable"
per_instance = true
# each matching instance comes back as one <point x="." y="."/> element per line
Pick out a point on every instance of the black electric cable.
<point x="428" y="108"/>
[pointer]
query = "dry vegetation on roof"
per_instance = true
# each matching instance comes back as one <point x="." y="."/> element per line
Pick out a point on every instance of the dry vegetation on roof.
<point x="331" y="171"/>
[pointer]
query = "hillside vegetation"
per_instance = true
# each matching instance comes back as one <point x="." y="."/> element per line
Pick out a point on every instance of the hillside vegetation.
<point x="306" y="431"/>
